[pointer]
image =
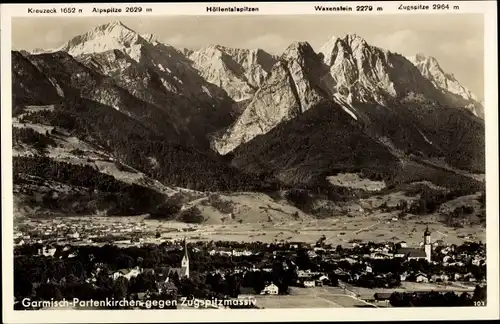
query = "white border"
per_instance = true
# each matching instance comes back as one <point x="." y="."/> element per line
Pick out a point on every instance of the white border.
<point x="488" y="8"/>
<point x="267" y="8"/>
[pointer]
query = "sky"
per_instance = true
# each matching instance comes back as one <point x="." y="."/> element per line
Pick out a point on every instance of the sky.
<point x="456" y="41"/>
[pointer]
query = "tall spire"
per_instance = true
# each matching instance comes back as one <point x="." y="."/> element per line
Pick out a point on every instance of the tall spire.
<point x="185" y="248"/>
<point x="185" y="261"/>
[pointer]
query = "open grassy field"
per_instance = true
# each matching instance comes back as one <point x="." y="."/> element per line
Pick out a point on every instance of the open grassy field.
<point x="317" y="297"/>
<point x="342" y="230"/>
<point x="290" y="301"/>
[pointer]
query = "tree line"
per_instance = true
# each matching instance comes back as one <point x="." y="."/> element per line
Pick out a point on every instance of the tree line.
<point x="164" y="157"/>
<point x="439" y="299"/>
<point x="29" y="136"/>
<point x="102" y="191"/>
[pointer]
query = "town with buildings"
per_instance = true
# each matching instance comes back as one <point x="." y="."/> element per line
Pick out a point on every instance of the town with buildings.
<point x="137" y="266"/>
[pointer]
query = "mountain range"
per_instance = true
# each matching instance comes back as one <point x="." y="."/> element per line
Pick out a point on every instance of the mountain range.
<point x="228" y="119"/>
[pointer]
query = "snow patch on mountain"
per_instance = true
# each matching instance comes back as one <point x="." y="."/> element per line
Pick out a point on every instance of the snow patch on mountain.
<point x="345" y="103"/>
<point x="58" y="88"/>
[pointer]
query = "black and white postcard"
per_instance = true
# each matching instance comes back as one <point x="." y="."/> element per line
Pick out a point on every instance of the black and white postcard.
<point x="265" y="161"/>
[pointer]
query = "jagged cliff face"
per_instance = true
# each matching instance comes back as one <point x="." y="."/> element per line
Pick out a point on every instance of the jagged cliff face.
<point x="430" y="68"/>
<point x="156" y="73"/>
<point x="106" y="37"/>
<point x="119" y="52"/>
<point x="240" y="72"/>
<point x="365" y="73"/>
<point x="289" y="90"/>
<point x="349" y="71"/>
<point x="359" y="72"/>
<point x="232" y="95"/>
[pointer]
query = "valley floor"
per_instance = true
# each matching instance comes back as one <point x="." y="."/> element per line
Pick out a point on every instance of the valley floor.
<point x="341" y="230"/>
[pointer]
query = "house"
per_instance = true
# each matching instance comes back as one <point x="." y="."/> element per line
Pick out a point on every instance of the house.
<point x="403" y="244"/>
<point x="304" y="274"/>
<point x="378" y="256"/>
<point x="294" y="245"/>
<point x="350" y="260"/>
<point x="271" y="289"/>
<point x="403" y="276"/>
<point x="309" y="283"/>
<point x="240" y="252"/>
<point x="323" y="278"/>
<point x="410" y="253"/>
<point x="421" y="277"/>
<point x="127" y="273"/>
<point x="120" y="273"/>
<point x="48" y="251"/>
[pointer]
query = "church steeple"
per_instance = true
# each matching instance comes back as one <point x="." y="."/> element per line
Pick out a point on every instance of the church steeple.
<point x="185" y="261"/>
<point x="427" y="244"/>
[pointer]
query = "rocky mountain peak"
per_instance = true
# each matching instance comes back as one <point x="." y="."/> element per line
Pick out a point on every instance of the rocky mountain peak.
<point x="294" y="85"/>
<point x="298" y="49"/>
<point x="354" y="41"/>
<point x="430" y="68"/>
<point x="112" y="25"/>
<point x="151" y="38"/>
<point x="113" y="35"/>
<point x="429" y="62"/>
<point x="238" y="71"/>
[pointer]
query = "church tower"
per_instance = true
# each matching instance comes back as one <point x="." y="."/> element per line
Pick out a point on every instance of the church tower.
<point x="185" y="261"/>
<point x="427" y="244"/>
